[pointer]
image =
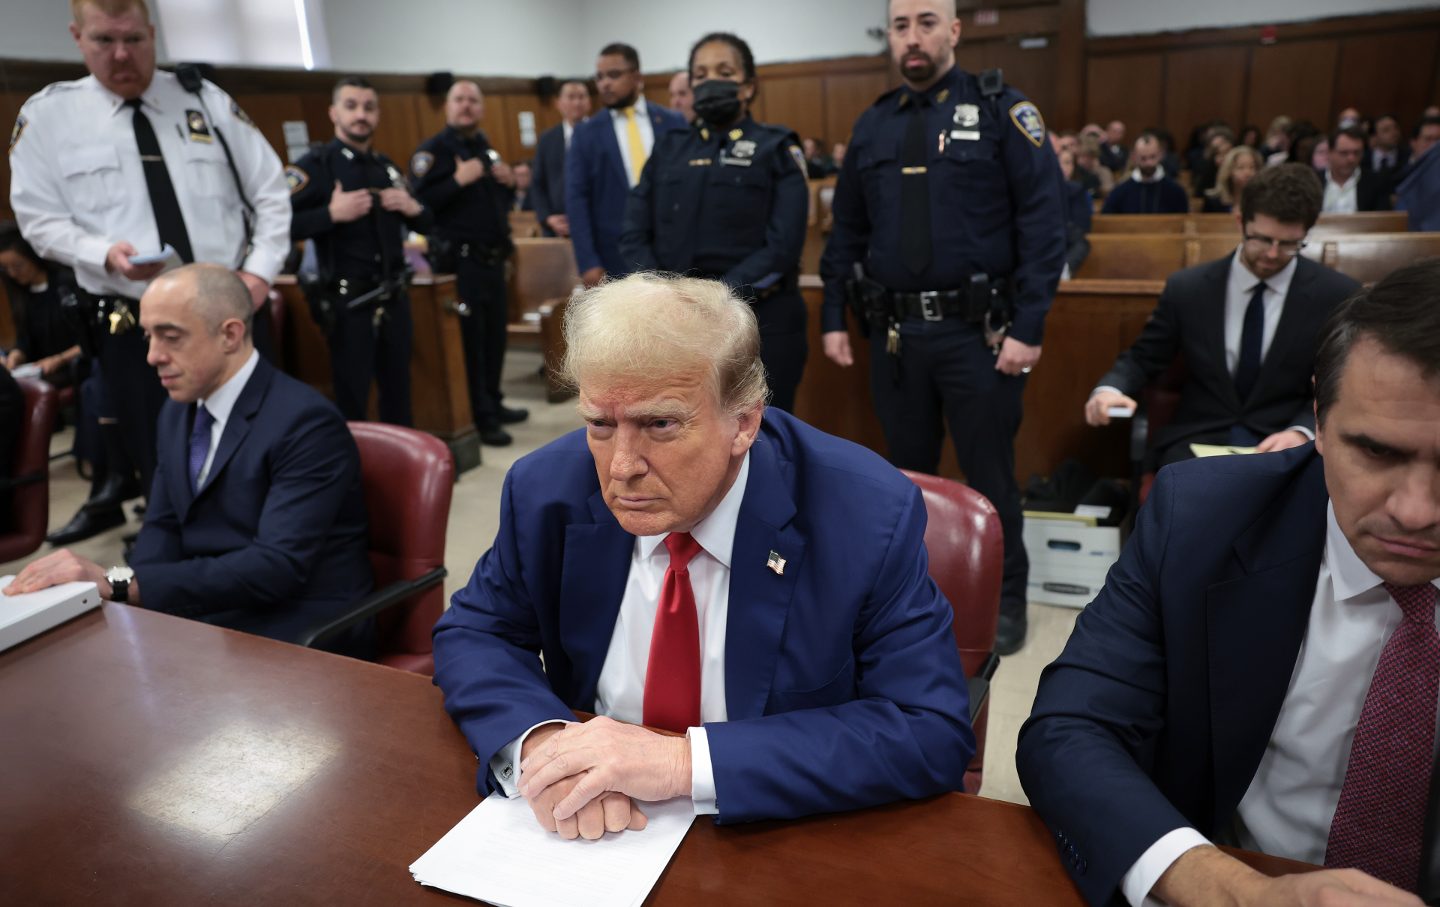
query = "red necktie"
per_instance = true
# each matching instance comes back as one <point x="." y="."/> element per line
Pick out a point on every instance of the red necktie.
<point x="672" y="678"/>
<point x="1381" y="815"/>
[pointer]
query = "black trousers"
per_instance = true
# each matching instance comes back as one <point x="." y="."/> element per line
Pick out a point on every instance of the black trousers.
<point x="946" y="374"/>
<point x="362" y="349"/>
<point x="135" y="395"/>
<point x="783" y="347"/>
<point x="482" y="332"/>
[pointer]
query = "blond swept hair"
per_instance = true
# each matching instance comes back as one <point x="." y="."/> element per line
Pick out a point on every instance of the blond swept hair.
<point x="109" y="8"/>
<point x="648" y="326"/>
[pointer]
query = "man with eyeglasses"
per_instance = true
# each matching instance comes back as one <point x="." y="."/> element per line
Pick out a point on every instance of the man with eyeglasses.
<point x="607" y="153"/>
<point x="1245" y="327"/>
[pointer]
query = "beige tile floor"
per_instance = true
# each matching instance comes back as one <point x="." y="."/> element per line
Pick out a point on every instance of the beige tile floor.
<point x="474" y="518"/>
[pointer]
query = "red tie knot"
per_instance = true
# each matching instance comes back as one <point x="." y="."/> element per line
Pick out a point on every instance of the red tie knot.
<point x="1416" y="602"/>
<point x="682" y="547"/>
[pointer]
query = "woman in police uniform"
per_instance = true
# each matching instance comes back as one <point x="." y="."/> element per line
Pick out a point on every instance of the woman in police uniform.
<point x="727" y="199"/>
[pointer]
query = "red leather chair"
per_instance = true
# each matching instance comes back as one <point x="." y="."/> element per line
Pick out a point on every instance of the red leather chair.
<point x="30" y="484"/>
<point x="408" y="477"/>
<point x="966" y="550"/>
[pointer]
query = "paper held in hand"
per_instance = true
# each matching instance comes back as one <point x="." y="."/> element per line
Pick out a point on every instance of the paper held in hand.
<point x="499" y="854"/>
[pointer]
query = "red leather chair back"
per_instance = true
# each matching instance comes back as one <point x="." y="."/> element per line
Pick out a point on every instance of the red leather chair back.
<point x="1159" y="400"/>
<point x="408" y="477"/>
<point x="966" y="551"/>
<point x="30" y="502"/>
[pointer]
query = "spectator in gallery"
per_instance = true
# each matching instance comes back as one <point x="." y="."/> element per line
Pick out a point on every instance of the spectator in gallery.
<point x="1113" y="153"/>
<point x="1277" y="141"/>
<point x="1239" y="166"/>
<point x="1387" y="154"/>
<point x="1219" y="143"/>
<point x="1349" y="188"/>
<point x="1149" y="189"/>
<point x="682" y="100"/>
<point x="1079" y="213"/>
<point x="818" y="165"/>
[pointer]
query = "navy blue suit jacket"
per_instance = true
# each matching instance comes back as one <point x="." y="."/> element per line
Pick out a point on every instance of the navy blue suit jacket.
<point x="1158" y="712"/>
<point x="596" y="187"/>
<point x="843" y="684"/>
<point x="275" y="541"/>
<point x="547" y="188"/>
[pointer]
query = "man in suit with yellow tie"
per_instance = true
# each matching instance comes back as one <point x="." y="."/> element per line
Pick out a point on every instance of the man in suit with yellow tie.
<point x="607" y="153"/>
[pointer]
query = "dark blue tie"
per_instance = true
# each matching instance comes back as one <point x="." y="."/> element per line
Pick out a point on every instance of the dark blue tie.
<point x="199" y="444"/>
<point x="1252" y="334"/>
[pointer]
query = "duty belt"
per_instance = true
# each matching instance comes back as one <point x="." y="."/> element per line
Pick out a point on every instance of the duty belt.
<point x="488" y="255"/>
<point x="115" y="314"/>
<point x="938" y="305"/>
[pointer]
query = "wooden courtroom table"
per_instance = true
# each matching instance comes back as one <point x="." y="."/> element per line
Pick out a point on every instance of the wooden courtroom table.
<point x="148" y="759"/>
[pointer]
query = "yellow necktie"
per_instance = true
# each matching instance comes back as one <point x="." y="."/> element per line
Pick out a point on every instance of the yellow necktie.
<point x="637" y="145"/>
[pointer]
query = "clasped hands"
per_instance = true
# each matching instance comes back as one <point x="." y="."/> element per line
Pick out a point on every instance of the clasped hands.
<point x="581" y="779"/>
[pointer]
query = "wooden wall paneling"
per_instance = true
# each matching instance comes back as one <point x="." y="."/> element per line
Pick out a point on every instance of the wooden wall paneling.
<point x="10" y="103"/>
<point x="270" y="112"/>
<point x="847" y="95"/>
<point x="1031" y="72"/>
<point x="315" y="106"/>
<point x="1203" y="84"/>
<point x="398" y="134"/>
<point x="430" y="114"/>
<point x="1126" y="87"/>
<point x="1294" y="80"/>
<point x="798" y="103"/>
<point x="516" y="104"/>
<point x="1069" y="66"/>
<point x="1379" y="73"/>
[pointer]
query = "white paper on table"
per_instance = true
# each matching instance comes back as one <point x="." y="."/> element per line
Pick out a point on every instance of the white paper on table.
<point x="500" y="854"/>
<point x="30" y="614"/>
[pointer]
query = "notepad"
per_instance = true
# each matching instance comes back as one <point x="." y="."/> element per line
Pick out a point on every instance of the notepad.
<point x="24" y="616"/>
<point x="500" y="854"/>
<point x="1219" y="450"/>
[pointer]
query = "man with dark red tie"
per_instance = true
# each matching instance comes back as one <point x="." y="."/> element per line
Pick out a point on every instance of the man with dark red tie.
<point x="695" y="562"/>
<point x="1261" y="667"/>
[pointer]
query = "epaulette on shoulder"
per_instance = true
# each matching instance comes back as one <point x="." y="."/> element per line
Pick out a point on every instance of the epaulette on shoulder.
<point x="992" y="83"/>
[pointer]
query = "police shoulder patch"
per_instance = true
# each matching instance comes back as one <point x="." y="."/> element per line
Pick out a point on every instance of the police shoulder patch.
<point x="1027" y="119"/>
<point x="420" y="164"/>
<point x="240" y="115"/>
<point x="16" y="132"/>
<point x="297" y="178"/>
<point x="799" y="157"/>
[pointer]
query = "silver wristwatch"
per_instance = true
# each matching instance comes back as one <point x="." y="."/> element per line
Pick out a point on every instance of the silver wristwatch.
<point x="119" y="579"/>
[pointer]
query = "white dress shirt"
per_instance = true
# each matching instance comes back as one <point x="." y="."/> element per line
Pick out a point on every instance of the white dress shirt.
<point x="78" y="186"/>
<point x="1155" y="178"/>
<point x="622" y="135"/>
<point x="620" y="692"/>
<point x="1340" y="197"/>
<point x="1287" y="809"/>
<point x="219" y="405"/>
<point x="568" y="130"/>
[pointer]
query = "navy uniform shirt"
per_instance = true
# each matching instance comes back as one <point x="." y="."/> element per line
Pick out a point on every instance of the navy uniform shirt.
<point x="725" y="203"/>
<point x="996" y="204"/>
<point x="477" y="213"/>
<point x="368" y="249"/>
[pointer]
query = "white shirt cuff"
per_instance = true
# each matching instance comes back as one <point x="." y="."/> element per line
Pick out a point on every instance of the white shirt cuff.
<point x="91" y="250"/>
<point x="1106" y="387"/>
<point x="263" y="264"/>
<point x="1135" y="885"/>
<point x="1302" y="430"/>
<point x="505" y="765"/>
<point x="702" y="773"/>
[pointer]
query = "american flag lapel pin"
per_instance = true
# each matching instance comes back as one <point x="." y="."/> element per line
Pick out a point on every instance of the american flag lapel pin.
<point x="776" y="562"/>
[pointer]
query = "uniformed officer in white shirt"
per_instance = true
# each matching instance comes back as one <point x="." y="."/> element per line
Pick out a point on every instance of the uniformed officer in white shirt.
<point x="87" y="195"/>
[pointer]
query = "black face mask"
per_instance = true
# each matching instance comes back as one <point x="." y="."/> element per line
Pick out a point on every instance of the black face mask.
<point x="717" y="101"/>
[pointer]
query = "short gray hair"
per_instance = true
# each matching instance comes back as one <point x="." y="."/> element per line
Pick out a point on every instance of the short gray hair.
<point x="218" y="294"/>
<point x="649" y="325"/>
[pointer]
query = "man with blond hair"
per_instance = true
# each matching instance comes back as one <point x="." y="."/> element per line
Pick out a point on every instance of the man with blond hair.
<point x="127" y="172"/>
<point x="685" y="515"/>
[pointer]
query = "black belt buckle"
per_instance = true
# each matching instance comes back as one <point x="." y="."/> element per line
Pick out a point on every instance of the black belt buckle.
<point x="930" y="305"/>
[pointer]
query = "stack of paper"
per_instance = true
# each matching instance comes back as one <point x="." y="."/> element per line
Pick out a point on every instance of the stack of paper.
<point x="24" y="616"/>
<point x="500" y="854"/>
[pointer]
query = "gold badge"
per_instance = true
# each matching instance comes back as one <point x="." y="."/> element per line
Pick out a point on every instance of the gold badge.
<point x="735" y="134"/>
<point x="745" y="148"/>
<point x="199" y="129"/>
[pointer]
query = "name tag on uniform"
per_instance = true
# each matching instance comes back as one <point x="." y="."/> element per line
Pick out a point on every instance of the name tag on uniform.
<point x="728" y="161"/>
<point x="701" y="162"/>
<point x="967" y="135"/>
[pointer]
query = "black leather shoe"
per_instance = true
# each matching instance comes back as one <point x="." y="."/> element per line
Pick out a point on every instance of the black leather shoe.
<point x="508" y="416"/>
<point x="1009" y="635"/>
<point x="86" y="523"/>
<point x="495" y="436"/>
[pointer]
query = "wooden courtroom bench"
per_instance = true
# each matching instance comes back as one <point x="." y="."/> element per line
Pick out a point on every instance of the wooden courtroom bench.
<point x="543" y="274"/>
<point x="1138" y="256"/>
<point x="1368" y="257"/>
<point x="1201" y="224"/>
<point x="524" y="225"/>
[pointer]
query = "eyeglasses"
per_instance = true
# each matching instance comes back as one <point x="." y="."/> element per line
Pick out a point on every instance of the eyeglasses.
<point x="612" y="74"/>
<point x="1285" y="246"/>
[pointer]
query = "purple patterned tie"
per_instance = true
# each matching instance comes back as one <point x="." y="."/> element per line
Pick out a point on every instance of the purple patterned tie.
<point x="199" y="443"/>
<point x="1381" y="815"/>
